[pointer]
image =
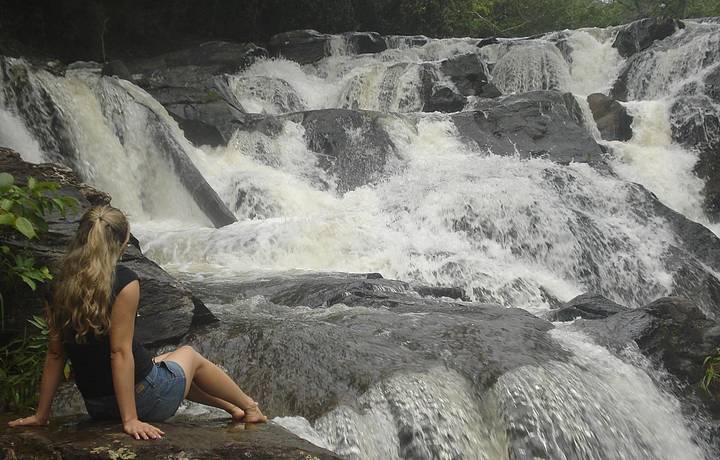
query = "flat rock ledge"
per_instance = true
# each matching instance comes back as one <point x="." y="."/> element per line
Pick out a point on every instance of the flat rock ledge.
<point x="77" y="438"/>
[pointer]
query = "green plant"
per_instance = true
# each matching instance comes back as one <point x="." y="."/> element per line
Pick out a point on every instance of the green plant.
<point x="712" y="369"/>
<point x="23" y="210"/>
<point x="21" y="366"/>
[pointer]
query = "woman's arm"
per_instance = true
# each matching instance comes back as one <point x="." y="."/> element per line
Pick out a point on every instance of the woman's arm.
<point x="122" y="328"/>
<point x="51" y="377"/>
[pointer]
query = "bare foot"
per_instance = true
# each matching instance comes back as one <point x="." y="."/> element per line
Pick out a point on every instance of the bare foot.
<point x="237" y="414"/>
<point x="253" y="415"/>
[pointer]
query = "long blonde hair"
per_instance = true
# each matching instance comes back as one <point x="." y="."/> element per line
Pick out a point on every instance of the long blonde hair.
<point x="83" y="288"/>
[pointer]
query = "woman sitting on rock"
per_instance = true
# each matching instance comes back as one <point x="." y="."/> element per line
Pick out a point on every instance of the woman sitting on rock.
<point x="92" y="322"/>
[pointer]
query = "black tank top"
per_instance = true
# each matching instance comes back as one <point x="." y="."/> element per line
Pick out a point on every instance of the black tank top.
<point x="91" y="360"/>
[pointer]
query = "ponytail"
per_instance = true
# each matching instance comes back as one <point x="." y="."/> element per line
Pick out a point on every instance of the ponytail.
<point x="83" y="289"/>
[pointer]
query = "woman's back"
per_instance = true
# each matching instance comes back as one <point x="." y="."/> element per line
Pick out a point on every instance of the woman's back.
<point x="91" y="360"/>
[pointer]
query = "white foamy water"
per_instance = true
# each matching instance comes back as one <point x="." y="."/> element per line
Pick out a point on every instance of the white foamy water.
<point x="654" y="160"/>
<point x="14" y="135"/>
<point x="589" y="407"/>
<point x="514" y="232"/>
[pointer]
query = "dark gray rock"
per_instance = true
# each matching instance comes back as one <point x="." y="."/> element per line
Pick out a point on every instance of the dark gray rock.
<point x="303" y="361"/>
<point x="488" y="41"/>
<point x="639" y="35"/>
<point x="467" y="72"/>
<point x="355" y="159"/>
<point x="351" y="145"/>
<point x="74" y="438"/>
<point x="673" y="332"/>
<point x="365" y="42"/>
<point x="301" y="46"/>
<point x="588" y="306"/>
<point x="399" y="41"/>
<point x="168" y="308"/>
<point x="116" y="68"/>
<point x="444" y="99"/>
<point x="611" y="118"/>
<point x="546" y="124"/>
<point x="190" y="84"/>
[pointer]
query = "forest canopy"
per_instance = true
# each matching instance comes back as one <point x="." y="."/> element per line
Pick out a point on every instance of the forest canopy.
<point x="75" y="29"/>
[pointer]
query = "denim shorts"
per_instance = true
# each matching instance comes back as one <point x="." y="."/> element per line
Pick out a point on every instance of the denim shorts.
<point x="157" y="396"/>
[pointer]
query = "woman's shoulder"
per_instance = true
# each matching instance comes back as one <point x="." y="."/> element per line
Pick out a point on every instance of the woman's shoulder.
<point x="123" y="277"/>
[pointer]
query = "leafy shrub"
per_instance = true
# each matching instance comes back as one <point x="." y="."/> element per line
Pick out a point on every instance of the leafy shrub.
<point x="21" y="367"/>
<point x="712" y="371"/>
<point x="22" y="214"/>
<point x="23" y="211"/>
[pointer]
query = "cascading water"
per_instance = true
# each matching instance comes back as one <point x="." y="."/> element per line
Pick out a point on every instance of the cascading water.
<point x="521" y="233"/>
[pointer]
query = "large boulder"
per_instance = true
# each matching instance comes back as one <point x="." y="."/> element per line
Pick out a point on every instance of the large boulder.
<point x="611" y="118"/>
<point x="639" y="35"/>
<point x="77" y="439"/>
<point x="302" y="46"/>
<point x="469" y="74"/>
<point x="313" y="341"/>
<point x="190" y="84"/>
<point x="546" y="124"/>
<point x="352" y="146"/>
<point x="365" y="42"/>
<point x="670" y="330"/>
<point x="168" y="308"/>
<point x="588" y="306"/>
<point x="444" y="99"/>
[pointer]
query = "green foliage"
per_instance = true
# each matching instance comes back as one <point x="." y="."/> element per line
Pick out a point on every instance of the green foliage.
<point x="21" y="366"/>
<point x="712" y="370"/>
<point x="22" y="212"/>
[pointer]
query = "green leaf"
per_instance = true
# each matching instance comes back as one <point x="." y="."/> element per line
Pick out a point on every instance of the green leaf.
<point x="28" y="281"/>
<point x="6" y="204"/>
<point x="6" y="181"/>
<point x="25" y="227"/>
<point x="32" y="183"/>
<point x="7" y="218"/>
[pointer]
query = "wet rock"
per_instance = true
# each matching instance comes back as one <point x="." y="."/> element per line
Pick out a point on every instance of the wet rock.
<point x="407" y="40"/>
<point x="190" y="84"/>
<point x="611" y="118"/>
<point x="351" y="145"/>
<point x="302" y="46"/>
<point x="673" y="332"/>
<point x="639" y="35"/>
<point x="357" y="333"/>
<point x="546" y="124"/>
<point x="444" y="99"/>
<point x="76" y="438"/>
<point x="588" y="306"/>
<point x="365" y="42"/>
<point x="116" y="68"/>
<point x="488" y="41"/>
<point x="168" y="308"/>
<point x="468" y="72"/>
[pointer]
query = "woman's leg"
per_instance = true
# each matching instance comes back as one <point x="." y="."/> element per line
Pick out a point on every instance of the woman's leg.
<point x="199" y="396"/>
<point x="213" y="381"/>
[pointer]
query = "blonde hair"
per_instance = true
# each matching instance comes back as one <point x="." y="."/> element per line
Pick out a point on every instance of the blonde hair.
<point x="83" y="288"/>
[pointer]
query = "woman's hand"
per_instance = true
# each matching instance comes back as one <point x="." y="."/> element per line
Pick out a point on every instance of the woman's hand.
<point x="142" y="430"/>
<point x="33" y="420"/>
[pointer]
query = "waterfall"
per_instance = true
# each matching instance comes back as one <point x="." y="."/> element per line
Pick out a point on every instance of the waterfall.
<point x="425" y="206"/>
<point x="589" y="408"/>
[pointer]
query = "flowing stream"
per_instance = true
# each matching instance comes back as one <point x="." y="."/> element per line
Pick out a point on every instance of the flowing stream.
<point x="520" y="233"/>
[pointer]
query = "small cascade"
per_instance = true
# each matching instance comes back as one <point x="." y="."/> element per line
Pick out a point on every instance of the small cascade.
<point x="106" y="124"/>
<point x="671" y="64"/>
<point x="587" y="408"/>
<point x="530" y="65"/>
<point x="654" y="160"/>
